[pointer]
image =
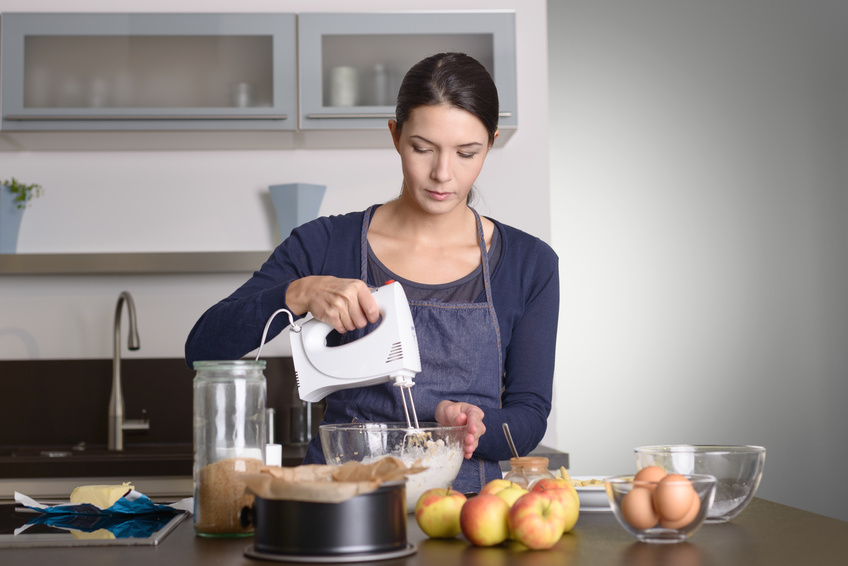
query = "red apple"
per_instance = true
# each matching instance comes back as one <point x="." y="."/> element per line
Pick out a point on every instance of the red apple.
<point x="437" y="512"/>
<point x="567" y="495"/>
<point x="558" y="483"/>
<point x="537" y="519"/>
<point x="484" y="520"/>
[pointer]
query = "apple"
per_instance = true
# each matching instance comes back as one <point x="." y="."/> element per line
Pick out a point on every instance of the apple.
<point x="558" y="483"/>
<point x="537" y="519"/>
<point x="567" y="495"/>
<point x="495" y="486"/>
<point x="437" y="512"/>
<point x="511" y="494"/>
<point x="509" y="491"/>
<point x="484" y="520"/>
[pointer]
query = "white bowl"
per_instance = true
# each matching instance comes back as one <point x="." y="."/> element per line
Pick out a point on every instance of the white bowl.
<point x="592" y="497"/>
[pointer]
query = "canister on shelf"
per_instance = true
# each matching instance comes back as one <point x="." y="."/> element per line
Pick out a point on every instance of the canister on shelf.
<point x="344" y="86"/>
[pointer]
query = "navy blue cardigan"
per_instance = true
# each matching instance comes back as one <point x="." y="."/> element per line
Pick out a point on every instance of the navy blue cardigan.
<point x="525" y="292"/>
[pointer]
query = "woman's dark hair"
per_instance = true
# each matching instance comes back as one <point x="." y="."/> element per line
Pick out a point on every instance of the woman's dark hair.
<point x="455" y="79"/>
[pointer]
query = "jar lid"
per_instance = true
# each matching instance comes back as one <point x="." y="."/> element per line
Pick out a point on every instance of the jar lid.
<point x="530" y="462"/>
<point x="206" y="364"/>
<point x="229" y="364"/>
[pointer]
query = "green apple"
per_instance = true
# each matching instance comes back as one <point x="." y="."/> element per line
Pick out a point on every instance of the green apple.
<point x="437" y="512"/>
<point x="537" y="519"/>
<point x="484" y="520"/>
<point x="494" y="486"/>
<point x="511" y="494"/>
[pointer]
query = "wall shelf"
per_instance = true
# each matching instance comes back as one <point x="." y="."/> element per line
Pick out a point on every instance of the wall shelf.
<point x="132" y="263"/>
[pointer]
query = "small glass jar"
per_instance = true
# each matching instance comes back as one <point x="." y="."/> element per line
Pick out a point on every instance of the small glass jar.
<point x="229" y="440"/>
<point x="528" y="470"/>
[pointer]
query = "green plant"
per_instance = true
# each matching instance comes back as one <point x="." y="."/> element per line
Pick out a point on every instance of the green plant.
<point x="23" y="193"/>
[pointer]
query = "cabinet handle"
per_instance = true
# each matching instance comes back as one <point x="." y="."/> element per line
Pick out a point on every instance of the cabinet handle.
<point x="345" y="116"/>
<point x="372" y="115"/>
<point x="144" y="117"/>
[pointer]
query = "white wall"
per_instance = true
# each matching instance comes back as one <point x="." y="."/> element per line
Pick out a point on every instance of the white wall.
<point x="217" y="200"/>
<point x="699" y="188"/>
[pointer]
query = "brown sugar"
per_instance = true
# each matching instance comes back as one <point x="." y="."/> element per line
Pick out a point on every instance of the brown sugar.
<point x="220" y="496"/>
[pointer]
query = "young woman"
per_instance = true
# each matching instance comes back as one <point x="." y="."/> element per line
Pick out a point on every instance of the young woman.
<point x="484" y="296"/>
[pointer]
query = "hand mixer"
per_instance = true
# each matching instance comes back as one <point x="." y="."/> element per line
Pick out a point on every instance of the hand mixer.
<point x="388" y="353"/>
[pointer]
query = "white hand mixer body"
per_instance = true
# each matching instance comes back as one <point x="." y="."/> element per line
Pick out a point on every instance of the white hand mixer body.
<point x="388" y="353"/>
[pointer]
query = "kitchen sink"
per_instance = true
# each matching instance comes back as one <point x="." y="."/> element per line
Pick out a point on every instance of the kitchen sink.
<point x="96" y="461"/>
<point x="81" y="460"/>
<point x="160" y="471"/>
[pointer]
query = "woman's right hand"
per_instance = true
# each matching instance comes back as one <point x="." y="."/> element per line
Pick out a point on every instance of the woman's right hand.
<point x="345" y="304"/>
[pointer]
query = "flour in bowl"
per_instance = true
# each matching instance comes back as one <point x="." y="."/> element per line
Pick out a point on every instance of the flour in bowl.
<point x="442" y="461"/>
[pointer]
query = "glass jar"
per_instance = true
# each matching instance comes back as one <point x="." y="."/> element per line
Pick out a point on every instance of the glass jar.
<point x="528" y="470"/>
<point x="229" y="440"/>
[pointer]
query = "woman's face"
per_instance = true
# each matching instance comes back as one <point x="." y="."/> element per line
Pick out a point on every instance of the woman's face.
<point x="442" y="149"/>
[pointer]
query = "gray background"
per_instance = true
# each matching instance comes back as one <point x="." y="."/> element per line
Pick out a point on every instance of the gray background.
<point x="698" y="186"/>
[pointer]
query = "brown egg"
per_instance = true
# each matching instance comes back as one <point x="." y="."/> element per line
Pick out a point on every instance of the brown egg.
<point x="650" y="474"/>
<point x="690" y="515"/>
<point x="637" y="507"/>
<point x="673" y="497"/>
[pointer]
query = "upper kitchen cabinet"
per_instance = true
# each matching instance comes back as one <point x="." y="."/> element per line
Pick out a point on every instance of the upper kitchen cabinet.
<point x="351" y="66"/>
<point x="143" y="74"/>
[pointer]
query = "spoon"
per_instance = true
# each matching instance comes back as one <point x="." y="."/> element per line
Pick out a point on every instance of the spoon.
<point x="509" y="440"/>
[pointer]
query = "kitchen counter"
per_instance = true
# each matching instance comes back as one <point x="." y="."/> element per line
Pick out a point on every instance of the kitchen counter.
<point x="765" y="533"/>
<point x="51" y="472"/>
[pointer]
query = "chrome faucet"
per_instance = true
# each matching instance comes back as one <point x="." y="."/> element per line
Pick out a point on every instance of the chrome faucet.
<point x="117" y="423"/>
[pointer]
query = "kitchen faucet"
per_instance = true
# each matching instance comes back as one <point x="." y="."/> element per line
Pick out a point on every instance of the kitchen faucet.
<point x="117" y="424"/>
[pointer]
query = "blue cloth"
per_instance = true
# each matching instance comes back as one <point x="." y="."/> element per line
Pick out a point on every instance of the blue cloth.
<point x="525" y="294"/>
<point x="122" y="525"/>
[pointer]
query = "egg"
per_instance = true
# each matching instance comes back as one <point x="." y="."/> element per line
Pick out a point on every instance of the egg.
<point x="673" y="497"/>
<point x="637" y="508"/>
<point x="687" y="518"/>
<point x="650" y="474"/>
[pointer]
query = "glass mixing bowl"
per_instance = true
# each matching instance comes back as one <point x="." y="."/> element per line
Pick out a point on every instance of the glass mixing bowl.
<point x="438" y="448"/>
<point x="658" y="531"/>
<point x="737" y="469"/>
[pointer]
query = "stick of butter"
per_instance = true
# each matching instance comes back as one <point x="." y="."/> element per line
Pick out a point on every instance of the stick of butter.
<point x="99" y="534"/>
<point x="103" y="496"/>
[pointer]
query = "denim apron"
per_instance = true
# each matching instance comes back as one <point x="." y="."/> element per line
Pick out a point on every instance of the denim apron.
<point x="460" y="349"/>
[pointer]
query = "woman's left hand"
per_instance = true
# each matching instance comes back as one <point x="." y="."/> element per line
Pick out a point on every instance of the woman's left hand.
<point x="452" y="413"/>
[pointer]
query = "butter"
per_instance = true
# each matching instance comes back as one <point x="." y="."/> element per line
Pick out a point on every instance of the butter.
<point x="99" y="534"/>
<point x="103" y="496"/>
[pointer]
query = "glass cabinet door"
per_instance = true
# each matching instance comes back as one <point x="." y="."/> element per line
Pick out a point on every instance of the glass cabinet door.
<point x="148" y="71"/>
<point x="351" y="65"/>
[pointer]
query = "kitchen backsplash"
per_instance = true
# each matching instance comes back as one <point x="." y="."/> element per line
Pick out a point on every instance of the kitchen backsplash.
<point x="65" y="402"/>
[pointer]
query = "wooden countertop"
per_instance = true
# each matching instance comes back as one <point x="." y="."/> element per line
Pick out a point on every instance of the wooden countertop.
<point x="766" y="533"/>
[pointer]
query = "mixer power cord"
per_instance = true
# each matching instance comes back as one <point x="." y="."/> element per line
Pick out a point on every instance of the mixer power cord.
<point x="294" y="328"/>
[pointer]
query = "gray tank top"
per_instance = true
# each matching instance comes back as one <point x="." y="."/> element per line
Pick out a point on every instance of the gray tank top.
<point x="465" y="290"/>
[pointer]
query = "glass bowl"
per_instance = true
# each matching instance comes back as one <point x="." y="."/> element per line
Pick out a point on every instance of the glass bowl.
<point x="737" y="469"/>
<point x="658" y="529"/>
<point x="438" y="448"/>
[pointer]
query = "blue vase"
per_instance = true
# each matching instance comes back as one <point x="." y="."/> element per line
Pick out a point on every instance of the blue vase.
<point x="295" y="203"/>
<point x="10" y="221"/>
